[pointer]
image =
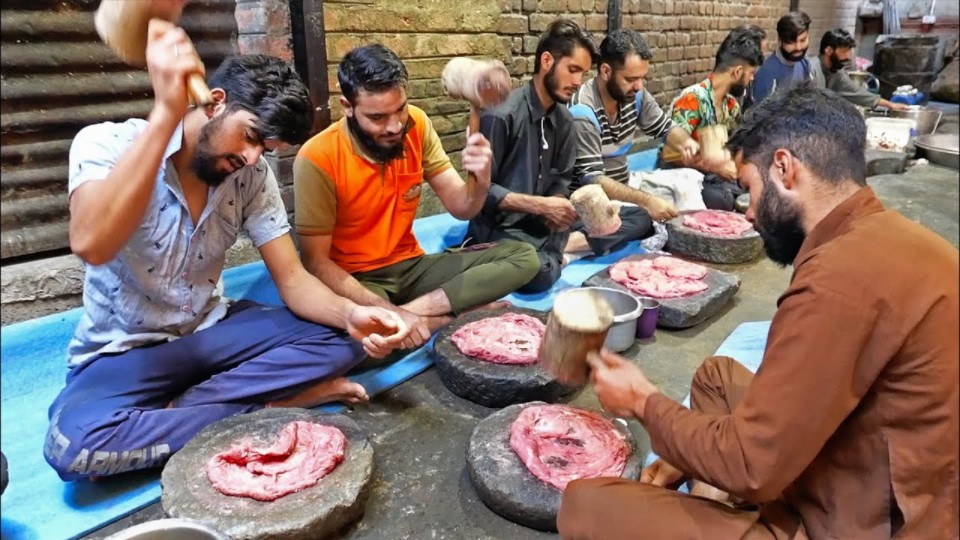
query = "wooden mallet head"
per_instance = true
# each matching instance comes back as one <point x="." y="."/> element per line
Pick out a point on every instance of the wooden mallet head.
<point x="123" y="24"/>
<point x="483" y="83"/>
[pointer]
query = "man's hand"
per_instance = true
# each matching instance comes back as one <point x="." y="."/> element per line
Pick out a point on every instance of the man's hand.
<point x="893" y="106"/>
<point x="690" y="149"/>
<point x="558" y="212"/>
<point x="419" y="332"/>
<point x="662" y="474"/>
<point x="171" y="58"/>
<point x="379" y="330"/>
<point x="660" y="209"/>
<point x="477" y="158"/>
<point x="620" y="386"/>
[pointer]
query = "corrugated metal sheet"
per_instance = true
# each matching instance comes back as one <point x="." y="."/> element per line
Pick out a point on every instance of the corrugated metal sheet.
<point x="57" y="77"/>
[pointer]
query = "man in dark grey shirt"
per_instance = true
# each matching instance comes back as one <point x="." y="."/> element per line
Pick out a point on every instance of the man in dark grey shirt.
<point x="531" y="135"/>
<point x="829" y="70"/>
<point x="608" y="112"/>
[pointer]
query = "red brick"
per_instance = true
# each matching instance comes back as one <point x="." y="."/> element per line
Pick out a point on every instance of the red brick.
<point x="278" y="46"/>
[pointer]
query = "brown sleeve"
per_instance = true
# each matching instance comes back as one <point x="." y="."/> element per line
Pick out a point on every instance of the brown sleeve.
<point x="823" y="353"/>
<point x="435" y="159"/>
<point x="315" y="198"/>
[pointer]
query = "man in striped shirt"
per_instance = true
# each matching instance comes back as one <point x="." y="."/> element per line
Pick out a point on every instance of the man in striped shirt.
<point x="608" y="112"/>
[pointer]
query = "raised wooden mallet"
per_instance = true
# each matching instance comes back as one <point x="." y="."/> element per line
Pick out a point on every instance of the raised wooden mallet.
<point x="122" y="25"/>
<point x="482" y="83"/>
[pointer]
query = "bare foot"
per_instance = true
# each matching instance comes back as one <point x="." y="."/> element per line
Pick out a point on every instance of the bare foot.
<point x="436" y="322"/>
<point x="499" y="304"/>
<point x="339" y="389"/>
<point x="702" y="489"/>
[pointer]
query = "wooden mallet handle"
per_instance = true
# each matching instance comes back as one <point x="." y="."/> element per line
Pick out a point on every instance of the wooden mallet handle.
<point x="199" y="91"/>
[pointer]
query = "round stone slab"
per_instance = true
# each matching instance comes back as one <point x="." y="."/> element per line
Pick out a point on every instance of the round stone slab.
<point x="489" y="384"/>
<point x="316" y="512"/>
<point x="700" y="246"/>
<point x="505" y="484"/>
<point x="680" y="312"/>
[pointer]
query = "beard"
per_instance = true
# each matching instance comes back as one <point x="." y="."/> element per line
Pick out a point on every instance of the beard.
<point x="738" y="90"/>
<point x="553" y="86"/>
<point x="379" y="152"/>
<point x="779" y="225"/>
<point x="836" y="64"/>
<point x="204" y="162"/>
<point x="619" y="95"/>
<point x="794" y="56"/>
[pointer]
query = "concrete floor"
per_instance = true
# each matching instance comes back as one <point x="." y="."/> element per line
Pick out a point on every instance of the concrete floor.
<point x="420" y="429"/>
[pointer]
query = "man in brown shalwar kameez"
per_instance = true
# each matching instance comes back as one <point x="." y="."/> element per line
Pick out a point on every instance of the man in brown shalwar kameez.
<point x="849" y="429"/>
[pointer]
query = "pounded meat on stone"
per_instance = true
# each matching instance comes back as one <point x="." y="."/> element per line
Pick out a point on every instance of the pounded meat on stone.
<point x="303" y="454"/>
<point x="717" y="223"/>
<point x="560" y="444"/>
<point x="511" y="338"/>
<point x="660" y="277"/>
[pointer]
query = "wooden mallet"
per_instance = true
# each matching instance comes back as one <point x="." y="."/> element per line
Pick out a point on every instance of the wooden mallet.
<point x="122" y="25"/>
<point x="483" y="83"/>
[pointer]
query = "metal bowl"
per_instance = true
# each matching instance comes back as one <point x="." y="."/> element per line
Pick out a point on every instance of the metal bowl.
<point x="940" y="149"/>
<point x="626" y="311"/>
<point x="169" y="529"/>
<point x="927" y="119"/>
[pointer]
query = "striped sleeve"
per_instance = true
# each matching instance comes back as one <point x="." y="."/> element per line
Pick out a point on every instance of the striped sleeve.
<point x="651" y="119"/>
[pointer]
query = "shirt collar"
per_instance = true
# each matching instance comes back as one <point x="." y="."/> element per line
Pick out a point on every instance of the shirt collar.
<point x="862" y="203"/>
<point x="176" y="142"/>
<point x="784" y="60"/>
<point x="533" y="103"/>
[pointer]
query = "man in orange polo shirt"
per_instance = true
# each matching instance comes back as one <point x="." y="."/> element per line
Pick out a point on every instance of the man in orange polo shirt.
<point x="358" y="184"/>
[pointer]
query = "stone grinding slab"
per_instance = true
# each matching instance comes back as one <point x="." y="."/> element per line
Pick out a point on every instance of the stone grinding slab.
<point x="700" y="246"/>
<point x="686" y="311"/>
<point x="315" y="512"/>
<point x="489" y="384"/>
<point x="506" y="486"/>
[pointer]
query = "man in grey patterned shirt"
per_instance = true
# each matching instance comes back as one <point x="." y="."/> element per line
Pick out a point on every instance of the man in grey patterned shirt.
<point x="154" y="205"/>
<point x="609" y="111"/>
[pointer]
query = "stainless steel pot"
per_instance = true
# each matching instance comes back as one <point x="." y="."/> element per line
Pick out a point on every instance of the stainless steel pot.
<point x="940" y="149"/>
<point x="169" y="529"/>
<point x="626" y="311"/>
<point x="927" y="119"/>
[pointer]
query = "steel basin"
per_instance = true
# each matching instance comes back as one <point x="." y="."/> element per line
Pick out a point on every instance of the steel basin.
<point x="926" y="119"/>
<point x="169" y="529"/>
<point x="940" y="149"/>
<point x="626" y="311"/>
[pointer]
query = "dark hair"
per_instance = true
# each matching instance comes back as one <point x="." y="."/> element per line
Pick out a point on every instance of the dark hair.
<point x="561" y="38"/>
<point x="791" y="25"/>
<point x="736" y="51"/>
<point x="269" y="89"/>
<point x="373" y="68"/>
<point x="822" y="130"/>
<point x="751" y="31"/>
<point x="619" y="44"/>
<point x="838" y="39"/>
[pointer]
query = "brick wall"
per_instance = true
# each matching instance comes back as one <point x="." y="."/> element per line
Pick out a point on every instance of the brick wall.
<point x="684" y="36"/>
<point x="264" y="27"/>
<point x="829" y="14"/>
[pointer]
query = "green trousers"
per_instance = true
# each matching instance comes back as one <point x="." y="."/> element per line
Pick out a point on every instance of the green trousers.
<point x="469" y="277"/>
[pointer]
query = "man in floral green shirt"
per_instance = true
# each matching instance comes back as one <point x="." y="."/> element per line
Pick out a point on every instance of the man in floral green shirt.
<point x="713" y="101"/>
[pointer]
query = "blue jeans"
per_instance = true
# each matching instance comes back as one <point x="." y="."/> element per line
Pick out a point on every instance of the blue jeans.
<point x="129" y="411"/>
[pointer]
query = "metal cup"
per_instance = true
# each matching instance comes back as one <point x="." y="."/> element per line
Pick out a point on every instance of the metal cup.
<point x="647" y="323"/>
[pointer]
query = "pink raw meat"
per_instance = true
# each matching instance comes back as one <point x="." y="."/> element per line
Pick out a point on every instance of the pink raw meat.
<point x="717" y="223"/>
<point x="560" y="444"/>
<point x="661" y="277"/>
<point x="511" y="338"/>
<point x="302" y="455"/>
